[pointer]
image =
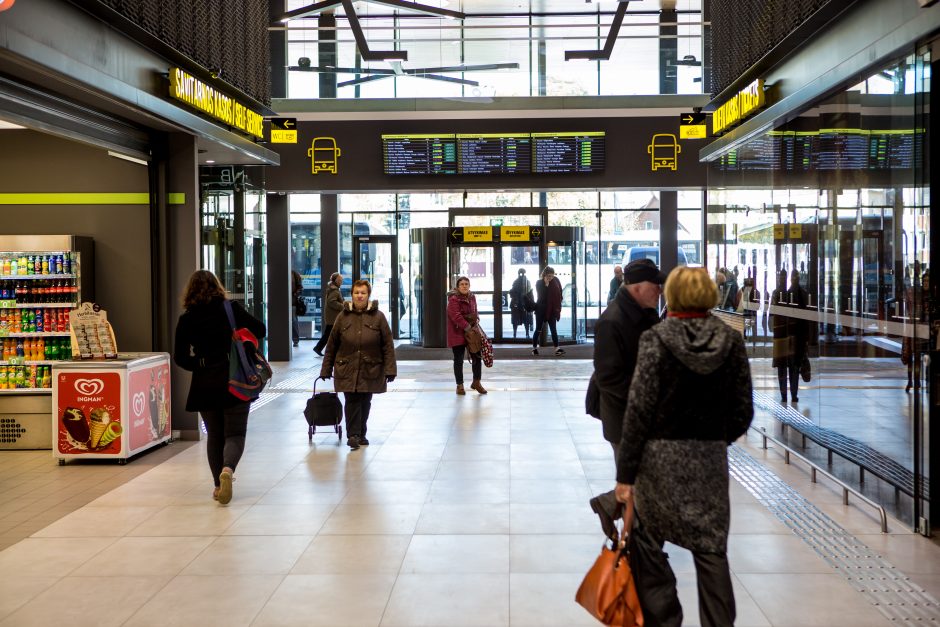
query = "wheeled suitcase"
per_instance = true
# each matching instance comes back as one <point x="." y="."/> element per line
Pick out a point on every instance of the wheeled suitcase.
<point x="324" y="410"/>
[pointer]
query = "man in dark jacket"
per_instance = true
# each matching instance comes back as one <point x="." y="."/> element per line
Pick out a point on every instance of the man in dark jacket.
<point x="616" y="341"/>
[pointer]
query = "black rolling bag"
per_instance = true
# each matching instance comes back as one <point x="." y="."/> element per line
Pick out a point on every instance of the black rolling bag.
<point x="324" y="410"/>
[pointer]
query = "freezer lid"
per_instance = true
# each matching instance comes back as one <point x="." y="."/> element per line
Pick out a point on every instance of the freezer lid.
<point x="124" y="361"/>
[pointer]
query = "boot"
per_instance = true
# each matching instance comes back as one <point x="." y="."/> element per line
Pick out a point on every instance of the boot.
<point x="460" y="390"/>
<point x="476" y="385"/>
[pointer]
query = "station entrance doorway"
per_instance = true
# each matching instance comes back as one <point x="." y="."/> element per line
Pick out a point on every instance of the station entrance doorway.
<point x="375" y="259"/>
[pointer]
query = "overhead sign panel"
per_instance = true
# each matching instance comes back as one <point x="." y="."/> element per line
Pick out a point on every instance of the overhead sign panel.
<point x="491" y="234"/>
<point x="693" y="126"/>
<point x="209" y="100"/>
<point x="283" y="130"/>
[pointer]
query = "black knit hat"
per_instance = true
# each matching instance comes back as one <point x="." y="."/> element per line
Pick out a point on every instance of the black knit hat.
<point x="640" y="270"/>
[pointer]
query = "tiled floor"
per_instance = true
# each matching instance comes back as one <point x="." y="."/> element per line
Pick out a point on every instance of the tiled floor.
<point x="463" y="511"/>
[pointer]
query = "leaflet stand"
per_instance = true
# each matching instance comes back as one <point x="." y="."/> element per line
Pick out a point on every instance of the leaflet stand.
<point x="92" y="335"/>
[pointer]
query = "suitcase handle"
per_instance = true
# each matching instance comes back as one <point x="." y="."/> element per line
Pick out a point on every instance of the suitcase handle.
<point x="315" y="384"/>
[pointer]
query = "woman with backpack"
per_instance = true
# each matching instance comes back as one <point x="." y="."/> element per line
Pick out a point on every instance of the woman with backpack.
<point x="202" y="346"/>
<point x="360" y="354"/>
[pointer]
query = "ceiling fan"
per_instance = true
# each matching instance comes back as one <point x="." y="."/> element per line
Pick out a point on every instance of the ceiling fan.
<point x="377" y="74"/>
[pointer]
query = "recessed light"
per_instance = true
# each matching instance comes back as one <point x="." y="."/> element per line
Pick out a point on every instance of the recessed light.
<point x="210" y="160"/>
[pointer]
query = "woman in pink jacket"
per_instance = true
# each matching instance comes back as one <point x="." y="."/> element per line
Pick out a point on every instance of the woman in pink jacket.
<point x="461" y="317"/>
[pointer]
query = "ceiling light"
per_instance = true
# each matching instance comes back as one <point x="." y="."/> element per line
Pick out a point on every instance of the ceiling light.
<point x="210" y="160"/>
<point x="118" y="155"/>
<point x="9" y="125"/>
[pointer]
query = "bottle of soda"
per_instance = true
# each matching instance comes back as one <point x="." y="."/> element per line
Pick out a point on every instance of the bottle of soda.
<point x="67" y="265"/>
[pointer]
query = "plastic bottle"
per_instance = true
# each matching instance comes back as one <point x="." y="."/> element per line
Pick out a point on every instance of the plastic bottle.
<point x="67" y="263"/>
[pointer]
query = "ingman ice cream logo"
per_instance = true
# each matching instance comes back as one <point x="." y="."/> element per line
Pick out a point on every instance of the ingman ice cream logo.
<point x="139" y="400"/>
<point x="89" y="389"/>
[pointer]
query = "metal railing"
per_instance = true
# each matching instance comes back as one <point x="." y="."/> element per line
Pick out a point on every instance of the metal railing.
<point x="816" y="469"/>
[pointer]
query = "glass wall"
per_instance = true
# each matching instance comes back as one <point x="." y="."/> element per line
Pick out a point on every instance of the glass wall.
<point x="825" y="222"/>
<point x="466" y="54"/>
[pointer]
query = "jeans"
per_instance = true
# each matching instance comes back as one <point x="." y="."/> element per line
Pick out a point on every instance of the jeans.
<point x="793" y="373"/>
<point x="476" y="364"/>
<point x="225" y="439"/>
<point x="537" y="333"/>
<point x="295" y="327"/>
<point x="324" y="338"/>
<point x="357" y="409"/>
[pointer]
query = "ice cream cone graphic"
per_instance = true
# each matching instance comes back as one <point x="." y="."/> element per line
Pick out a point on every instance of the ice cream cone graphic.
<point x="73" y="419"/>
<point x="112" y="432"/>
<point x="99" y="424"/>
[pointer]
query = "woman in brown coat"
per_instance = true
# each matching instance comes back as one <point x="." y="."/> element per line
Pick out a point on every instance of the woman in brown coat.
<point x="361" y="356"/>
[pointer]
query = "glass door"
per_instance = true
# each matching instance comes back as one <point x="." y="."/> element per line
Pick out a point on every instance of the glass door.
<point x="375" y="260"/>
<point x="562" y="257"/>
<point x="520" y="269"/>
<point x="477" y="263"/>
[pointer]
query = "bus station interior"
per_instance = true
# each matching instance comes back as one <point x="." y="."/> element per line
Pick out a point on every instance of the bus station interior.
<point x="829" y="180"/>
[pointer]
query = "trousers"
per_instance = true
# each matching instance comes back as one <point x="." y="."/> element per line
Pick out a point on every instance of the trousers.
<point x="324" y="338"/>
<point x="476" y="364"/>
<point x="540" y="320"/>
<point x="225" y="437"/>
<point x="357" y="407"/>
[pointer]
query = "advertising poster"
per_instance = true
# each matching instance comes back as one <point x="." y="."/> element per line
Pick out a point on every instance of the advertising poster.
<point x="148" y="404"/>
<point x="89" y="413"/>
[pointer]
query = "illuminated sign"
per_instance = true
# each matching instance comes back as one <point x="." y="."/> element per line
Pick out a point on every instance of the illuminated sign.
<point x="514" y="233"/>
<point x="212" y="102"/>
<point x="478" y="234"/>
<point x="664" y="152"/>
<point x="742" y="105"/>
<point x="692" y="126"/>
<point x="283" y="130"/>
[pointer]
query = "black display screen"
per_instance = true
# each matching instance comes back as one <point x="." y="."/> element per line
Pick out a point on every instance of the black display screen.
<point x="494" y="154"/>
<point x="420" y="154"/>
<point x="568" y="152"/>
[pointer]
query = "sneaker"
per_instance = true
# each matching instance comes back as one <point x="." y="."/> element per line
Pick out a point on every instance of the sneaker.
<point x="353" y="442"/>
<point x="607" y="520"/>
<point x="215" y="494"/>
<point x="559" y="351"/>
<point x="535" y="351"/>
<point x="363" y="441"/>
<point x="225" y="486"/>
<point x="296" y="344"/>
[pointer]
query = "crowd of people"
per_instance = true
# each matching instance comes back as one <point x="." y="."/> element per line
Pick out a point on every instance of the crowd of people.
<point x="651" y="372"/>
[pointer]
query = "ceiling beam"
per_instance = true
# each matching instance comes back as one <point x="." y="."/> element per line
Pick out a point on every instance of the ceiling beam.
<point x="362" y="44"/>
<point x="326" y="5"/>
<point x="603" y="55"/>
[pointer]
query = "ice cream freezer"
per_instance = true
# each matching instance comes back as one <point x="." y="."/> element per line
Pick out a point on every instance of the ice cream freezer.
<point x="110" y="409"/>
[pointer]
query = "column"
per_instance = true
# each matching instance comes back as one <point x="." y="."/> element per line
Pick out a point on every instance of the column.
<point x="279" y="61"/>
<point x="327" y="53"/>
<point x="668" y="51"/>
<point x="329" y="231"/>
<point x="668" y="230"/>
<point x="280" y="307"/>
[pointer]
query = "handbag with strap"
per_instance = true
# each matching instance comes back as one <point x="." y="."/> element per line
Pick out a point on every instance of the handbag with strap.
<point x="608" y="591"/>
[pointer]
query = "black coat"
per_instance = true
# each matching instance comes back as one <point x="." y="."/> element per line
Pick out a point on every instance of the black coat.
<point x="791" y="334"/>
<point x="616" y="340"/>
<point x="203" y="342"/>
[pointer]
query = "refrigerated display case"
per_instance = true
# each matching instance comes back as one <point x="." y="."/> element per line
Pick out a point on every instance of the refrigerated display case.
<point x="110" y="409"/>
<point x="42" y="278"/>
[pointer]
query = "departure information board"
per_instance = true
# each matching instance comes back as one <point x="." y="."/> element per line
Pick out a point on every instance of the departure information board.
<point x="568" y="152"/>
<point x="494" y="153"/>
<point x="419" y="154"/>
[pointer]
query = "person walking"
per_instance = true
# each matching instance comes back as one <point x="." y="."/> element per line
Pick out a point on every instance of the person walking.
<point x="791" y="338"/>
<point x="547" y="309"/>
<point x="360" y="355"/>
<point x="296" y="293"/>
<point x="616" y="341"/>
<point x="520" y="295"/>
<point x="462" y="317"/>
<point x="332" y="306"/>
<point x="615" y="284"/>
<point x="689" y="400"/>
<point x="202" y="345"/>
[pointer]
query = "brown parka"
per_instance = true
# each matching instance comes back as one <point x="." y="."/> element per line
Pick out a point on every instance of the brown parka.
<point x="360" y="352"/>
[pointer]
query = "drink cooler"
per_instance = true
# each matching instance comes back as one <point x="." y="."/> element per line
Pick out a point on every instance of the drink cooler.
<point x="123" y="384"/>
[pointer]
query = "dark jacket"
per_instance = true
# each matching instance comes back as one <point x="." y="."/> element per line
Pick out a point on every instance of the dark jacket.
<point x="521" y="291"/>
<point x="616" y="340"/>
<point x="333" y="304"/>
<point x="690" y="398"/>
<point x="791" y="334"/>
<point x="549" y="303"/>
<point x="360" y="353"/>
<point x="615" y="284"/>
<point x="461" y="315"/>
<point x="203" y="342"/>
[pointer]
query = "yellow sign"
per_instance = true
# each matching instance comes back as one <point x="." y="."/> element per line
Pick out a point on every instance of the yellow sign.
<point x="664" y="151"/>
<point x="283" y="130"/>
<point x="514" y="233"/>
<point x="693" y="132"/>
<point x="212" y="102"/>
<point x="324" y="155"/>
<point x="780" y="231"/>
<point x="796" y="231"/>
<point x="477" y="234"/>
<point x="741" y="105"/>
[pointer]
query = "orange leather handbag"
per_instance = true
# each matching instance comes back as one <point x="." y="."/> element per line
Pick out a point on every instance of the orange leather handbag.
<point x="608" y="591"/>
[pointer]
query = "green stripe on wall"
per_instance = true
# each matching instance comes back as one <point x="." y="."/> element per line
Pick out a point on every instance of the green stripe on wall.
<point x="91" y="198"/>
<point x="76" y="199"/>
